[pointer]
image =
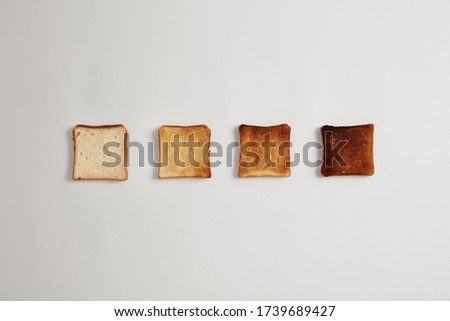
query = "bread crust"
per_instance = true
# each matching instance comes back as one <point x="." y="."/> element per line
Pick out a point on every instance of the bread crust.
<point x="354" y="155"/>
<point x="125" y="146"/>
<point x="172" y="170"/>
<point x="251" y="140"/>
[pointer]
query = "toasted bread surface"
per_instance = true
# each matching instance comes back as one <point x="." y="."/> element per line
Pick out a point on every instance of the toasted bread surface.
<point x="184" y="151"/>
<point x="348" y="150"/>
<point x="100" y="152"/>
<point x="265" y="151"/>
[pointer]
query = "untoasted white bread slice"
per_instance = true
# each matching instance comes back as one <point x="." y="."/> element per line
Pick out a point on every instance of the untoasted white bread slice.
<point x="99" y="152"/>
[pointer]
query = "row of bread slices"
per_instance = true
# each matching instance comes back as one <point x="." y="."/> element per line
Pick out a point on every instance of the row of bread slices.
<point x="100" y="151"/>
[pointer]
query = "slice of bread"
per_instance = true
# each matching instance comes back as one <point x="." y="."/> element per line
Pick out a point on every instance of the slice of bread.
<point x="181" y="158"/>
<point x="100" y="152"/>
<point x="347" y="150"/>
<point x="265" y="151"/>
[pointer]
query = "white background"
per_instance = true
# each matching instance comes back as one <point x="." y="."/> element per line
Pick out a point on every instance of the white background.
<point x="224" y="63"/>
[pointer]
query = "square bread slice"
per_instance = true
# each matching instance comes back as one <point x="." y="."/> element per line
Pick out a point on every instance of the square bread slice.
<point x="265" y="151"/>
<point x="184" y="151"/>
<point x="100" y="152"/>
<point x="347" y="150"/>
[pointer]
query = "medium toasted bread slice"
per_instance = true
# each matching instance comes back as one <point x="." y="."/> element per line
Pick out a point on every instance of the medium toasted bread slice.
<point x="347" y="150"/>
<point x="99" y="153"/>
<point x="184" y="151"/>
<point x="265" y="151"/>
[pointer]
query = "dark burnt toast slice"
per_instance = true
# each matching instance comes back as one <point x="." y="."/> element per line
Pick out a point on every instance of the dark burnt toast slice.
<point x="347" y="150"/>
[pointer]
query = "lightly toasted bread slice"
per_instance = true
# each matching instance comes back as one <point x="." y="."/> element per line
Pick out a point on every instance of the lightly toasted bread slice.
<point x="184" y="151"/>
<point x="100" y="152"/>
<point x="265" y="151"/>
